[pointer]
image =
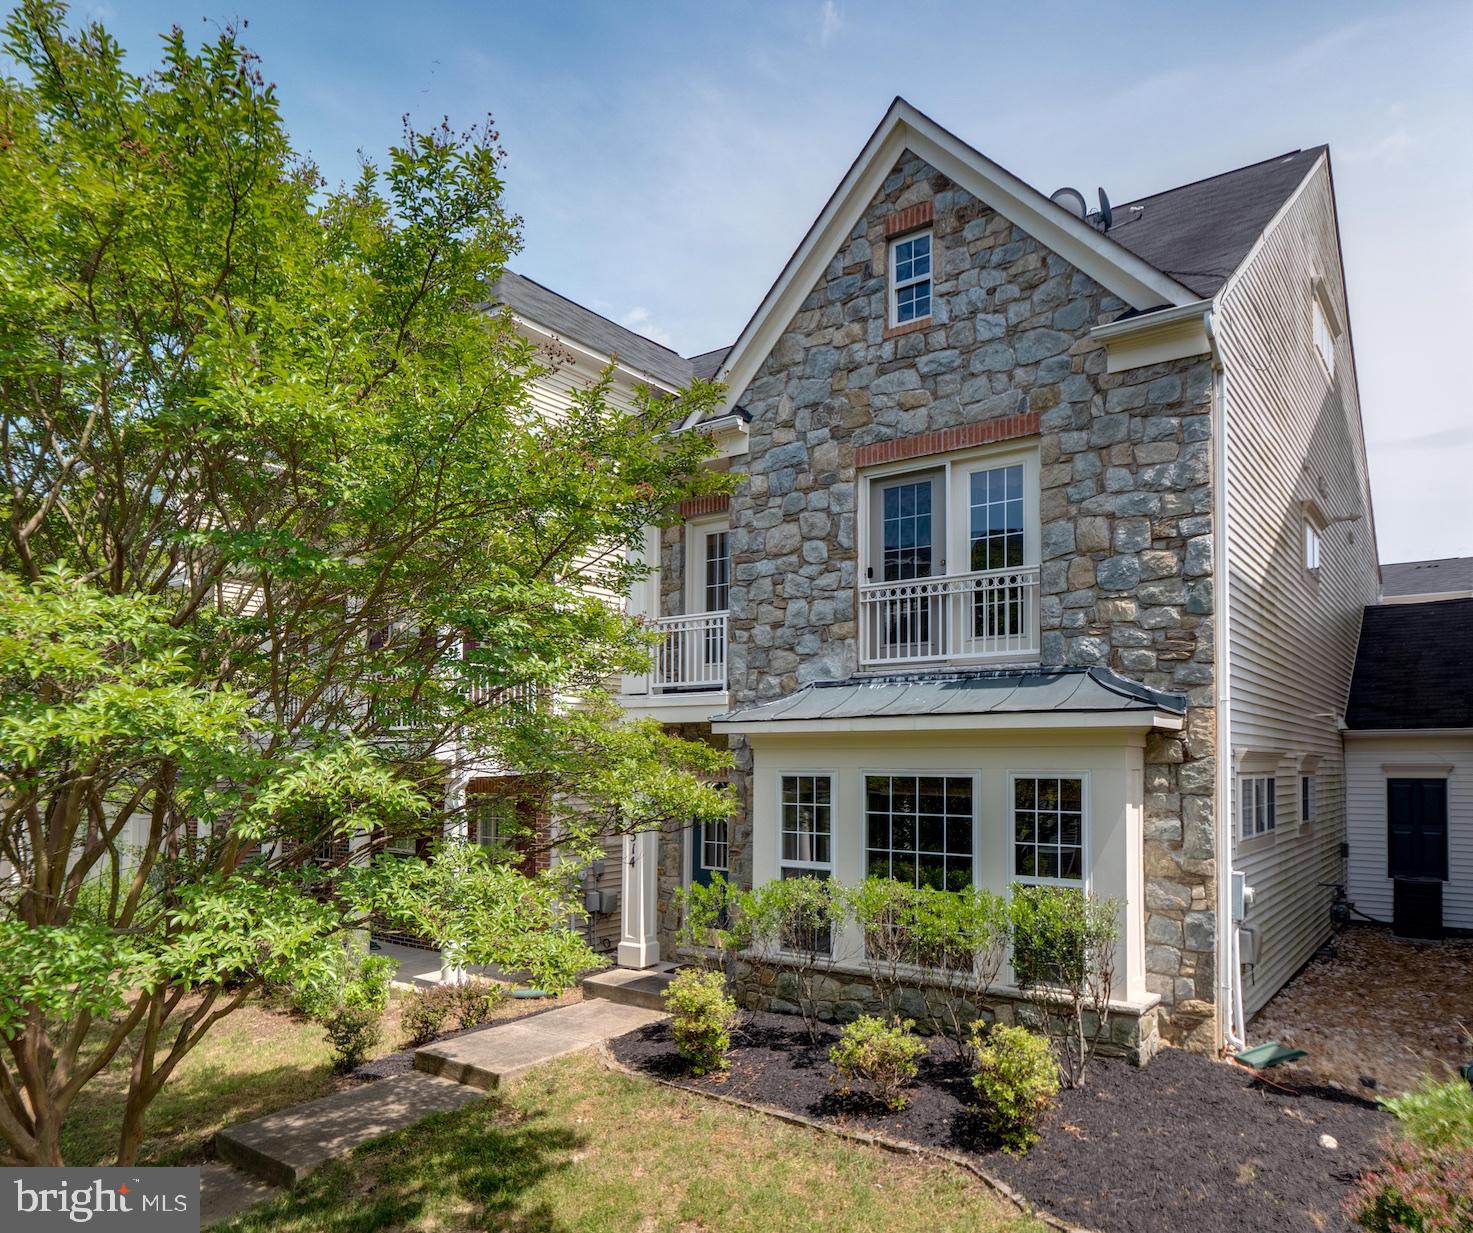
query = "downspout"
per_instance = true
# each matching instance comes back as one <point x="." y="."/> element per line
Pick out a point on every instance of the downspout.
<point x="1229" y="967"/>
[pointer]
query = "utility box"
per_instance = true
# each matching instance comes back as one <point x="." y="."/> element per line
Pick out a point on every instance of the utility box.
<point x="599" y="902"/>
<point x="1242" y="895"/>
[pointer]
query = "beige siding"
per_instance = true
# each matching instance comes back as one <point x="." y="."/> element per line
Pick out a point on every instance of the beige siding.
<point x="1369" y="762"/>
<point x="1294" y="437"/>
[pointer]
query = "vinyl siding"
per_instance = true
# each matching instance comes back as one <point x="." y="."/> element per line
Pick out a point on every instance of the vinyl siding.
<point x="1366" y="759"/>
<point x="1294" y="436"/>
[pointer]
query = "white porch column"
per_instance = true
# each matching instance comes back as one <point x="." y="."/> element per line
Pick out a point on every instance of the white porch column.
<point x="644" y="600"/>
<point x="451" y="971"/>
<point x="638" y="947"/>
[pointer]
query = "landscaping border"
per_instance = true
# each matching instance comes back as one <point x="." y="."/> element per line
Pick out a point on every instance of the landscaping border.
<point x="902" y="1147"/>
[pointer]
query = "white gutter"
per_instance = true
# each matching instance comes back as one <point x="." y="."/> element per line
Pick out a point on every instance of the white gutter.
<point x="1155" y="319"/>
<point x="1229" y="960"/>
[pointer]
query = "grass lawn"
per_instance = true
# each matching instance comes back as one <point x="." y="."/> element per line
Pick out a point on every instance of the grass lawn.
<point x="254" y="1062"/>
<point x="576" y="1148"/>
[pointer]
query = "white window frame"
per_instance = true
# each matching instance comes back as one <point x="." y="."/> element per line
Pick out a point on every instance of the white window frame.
<point x="896" y="284"/>
<point x="952" y="538"/>
<point x="801" y="867"/>
<point x="1247" y="817"/>
<point x="1314" y="543"/>
<point x="1323" y="332"/>
<point x="905" y="772"/>
<point x="695" y="562"/>
<point x="1084" y="882"/>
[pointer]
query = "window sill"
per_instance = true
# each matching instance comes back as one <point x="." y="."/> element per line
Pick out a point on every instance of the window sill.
<point x="910" y="327"/>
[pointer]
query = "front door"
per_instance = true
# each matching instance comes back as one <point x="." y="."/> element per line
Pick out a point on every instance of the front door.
<point x="1416" y="829"/>
<point x="710" y="851"/>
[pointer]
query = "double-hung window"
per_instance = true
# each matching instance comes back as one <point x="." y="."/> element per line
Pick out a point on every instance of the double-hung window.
<point x="918" y="829"/>
<point x="1048" y="829"/>
<point x="718" y="570"/>
<point x="910" y="278"/>
<point x="1257" y="808"/>
<point x="806" y="805"/>
<point x="1306" y="800"/>
<point x="1324" y="335"/>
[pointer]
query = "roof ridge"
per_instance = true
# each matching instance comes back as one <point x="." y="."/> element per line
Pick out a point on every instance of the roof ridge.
<point x="567" y="299"/>
<point x="1232" y="171"/>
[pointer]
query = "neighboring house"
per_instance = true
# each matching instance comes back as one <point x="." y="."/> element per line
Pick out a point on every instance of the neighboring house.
<point x="1047" y="565"/>
<point x="1409" y="755"/>
<point x="1414" y="582"/>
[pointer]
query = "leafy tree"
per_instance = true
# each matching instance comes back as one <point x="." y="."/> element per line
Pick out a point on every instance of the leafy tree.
<point x="286" y="548"/>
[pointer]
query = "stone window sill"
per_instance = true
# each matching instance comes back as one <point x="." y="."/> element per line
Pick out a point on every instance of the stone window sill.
<point x="910" y="327"/>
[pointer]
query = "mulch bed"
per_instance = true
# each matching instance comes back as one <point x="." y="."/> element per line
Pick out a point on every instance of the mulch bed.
<point x="1184" y="1144"/>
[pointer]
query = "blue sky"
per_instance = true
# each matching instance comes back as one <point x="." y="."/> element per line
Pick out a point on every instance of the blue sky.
<point x="667" y="158"/>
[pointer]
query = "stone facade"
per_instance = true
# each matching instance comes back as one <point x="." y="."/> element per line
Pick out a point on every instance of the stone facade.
<point x="1125" y="518"/>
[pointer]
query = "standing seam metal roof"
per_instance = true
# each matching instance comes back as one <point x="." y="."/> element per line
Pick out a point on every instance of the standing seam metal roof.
<point x="1076" y="691"/>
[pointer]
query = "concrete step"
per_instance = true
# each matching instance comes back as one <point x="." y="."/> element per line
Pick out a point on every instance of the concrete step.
<point x="285" y="1147"/>
<point x="498" y="1056"/>
<point x="225" y="1192"/>
<point x="629" y="986"/>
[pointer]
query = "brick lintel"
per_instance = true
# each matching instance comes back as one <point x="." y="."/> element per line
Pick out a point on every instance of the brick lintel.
<point x="945" y="440"/>
<point x="698" y="507"/>
<point x="909" y="219"/>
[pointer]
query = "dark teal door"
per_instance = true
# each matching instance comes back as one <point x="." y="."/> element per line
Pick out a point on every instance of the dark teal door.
<point x="710" y="851"/>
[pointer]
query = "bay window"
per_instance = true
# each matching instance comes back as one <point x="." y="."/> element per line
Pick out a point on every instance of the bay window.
<point x="919" y="829"/>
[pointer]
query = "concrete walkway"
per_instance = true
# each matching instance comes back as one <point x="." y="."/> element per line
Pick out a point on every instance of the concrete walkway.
<point x="499" y="1055"/>
<point x="284" y="1147"/>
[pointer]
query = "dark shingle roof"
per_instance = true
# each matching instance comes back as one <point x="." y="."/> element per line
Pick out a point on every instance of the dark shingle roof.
<point x="1201" y="232"/>
<point x="1019" y="692"/>
<point x="1444" y="576"/>
<point x="707" y="366"/>
<point x="582" y="325"/>
<point x="1414" y="667"/>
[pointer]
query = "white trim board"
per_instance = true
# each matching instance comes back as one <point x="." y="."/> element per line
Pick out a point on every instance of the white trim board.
<point x="1141" y="721"/>
<point x="1110" y="264"/>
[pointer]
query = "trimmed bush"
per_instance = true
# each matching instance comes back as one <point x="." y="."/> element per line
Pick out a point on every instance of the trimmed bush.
<point x="473" y="1000"/>
<point x="356" y="1025"/>
<point x="882" y="1056"/>
<point x="425" y="1013"/>
<point x="702" y="1015"/>
<point x="353" y="1032"/>
<point x="1016" y="1079"/>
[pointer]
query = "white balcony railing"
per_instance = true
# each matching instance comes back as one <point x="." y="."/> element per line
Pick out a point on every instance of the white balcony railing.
<point x="692" y="655"/>
<point x="988" y="615"/>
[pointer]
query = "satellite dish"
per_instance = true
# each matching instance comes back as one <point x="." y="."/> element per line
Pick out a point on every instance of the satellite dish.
<point x="1072" y="200"/>
<point x="1107" y="216"/>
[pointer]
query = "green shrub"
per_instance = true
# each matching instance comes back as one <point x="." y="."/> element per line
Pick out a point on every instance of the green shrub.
<point x="354" y="1031"/>
<point x="701" y="1018"/>
<point x="1064" y="960"/>
<point x="1416" y="1188"/>
<point x="425" y="1013"/>
<point x="793" y="922"/>
<point x="473" y="999"/>
<point x="1436" y="1113"/>
<point x="368" y="985"/>
<point x="1016" y="1078"/>
<point x="883" y="1056"/>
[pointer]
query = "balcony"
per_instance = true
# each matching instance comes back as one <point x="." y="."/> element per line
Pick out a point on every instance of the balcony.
<point x="979" y="617"/>
<point x="688" y="677"/>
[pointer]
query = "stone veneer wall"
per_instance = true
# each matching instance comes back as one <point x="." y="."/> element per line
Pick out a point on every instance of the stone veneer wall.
<point x="1125" y="494"/>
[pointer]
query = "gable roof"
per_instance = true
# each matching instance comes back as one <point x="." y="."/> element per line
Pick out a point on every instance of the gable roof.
<point x="1414" y="667"/>
<point x="903" y="128"/>
<point x="1178" y="248"/>
<point x="570" y="320"/>
<point x="1199" y="233"/>
<point x="708" y="365"/>
<point x="1446" y="575"/>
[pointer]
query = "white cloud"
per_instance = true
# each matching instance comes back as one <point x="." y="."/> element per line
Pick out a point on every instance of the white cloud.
<point x="829" y="23"/>
<point x="641" y="322"/>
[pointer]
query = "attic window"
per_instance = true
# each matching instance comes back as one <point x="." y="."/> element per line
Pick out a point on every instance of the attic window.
<point x="910" y="278"/>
